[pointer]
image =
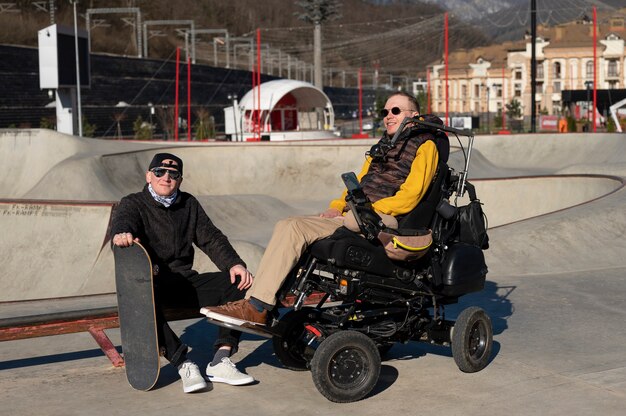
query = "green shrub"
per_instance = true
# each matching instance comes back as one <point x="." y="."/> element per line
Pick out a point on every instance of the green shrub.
<point x="142" y="129"/>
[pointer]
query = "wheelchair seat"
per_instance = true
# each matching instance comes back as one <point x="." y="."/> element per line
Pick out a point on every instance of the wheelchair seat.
<point x="424" y="214"/>
<point x="349" y="249"/>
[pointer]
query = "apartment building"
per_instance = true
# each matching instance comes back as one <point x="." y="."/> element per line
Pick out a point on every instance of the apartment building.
<point x="484" y="79"/>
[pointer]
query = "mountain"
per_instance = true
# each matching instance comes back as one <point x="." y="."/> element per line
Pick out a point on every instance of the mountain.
<point x="396" y="36"/>
<point x="474" y="9"/>
<point x="551" y="11"/>
<point x="510" y="19"/>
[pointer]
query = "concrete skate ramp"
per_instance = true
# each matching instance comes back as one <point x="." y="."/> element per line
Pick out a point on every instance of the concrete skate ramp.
<point x="49" y="165"/>
<point x="245" y="190"/>
<point x="561" y="196"/>
<point x="52" y="250"/>
<point x="515" y="199"/>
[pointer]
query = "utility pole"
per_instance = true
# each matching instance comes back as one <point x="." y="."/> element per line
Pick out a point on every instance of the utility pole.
<point x="52" y="6"/>
<point x="533" y="65"/>
<point x="595" y="66"/>
<point x="80" y="114"/>
<point x="317" y="54"/>
<point x="446" y="86"/>
<point x="317" y="12"/>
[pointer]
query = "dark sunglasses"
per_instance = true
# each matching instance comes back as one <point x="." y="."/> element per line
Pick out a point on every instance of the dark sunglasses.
<point x="395" y="111"/>
<point x="160" y="172"/>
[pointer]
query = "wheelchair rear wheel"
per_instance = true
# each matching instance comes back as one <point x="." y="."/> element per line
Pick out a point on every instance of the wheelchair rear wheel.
<point x="346" y="366"/>
<point x="472" y="340"/>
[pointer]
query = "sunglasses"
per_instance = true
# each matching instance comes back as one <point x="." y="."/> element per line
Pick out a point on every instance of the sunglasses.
<point x="395" y="111"/>
<point x="160" y="172"/>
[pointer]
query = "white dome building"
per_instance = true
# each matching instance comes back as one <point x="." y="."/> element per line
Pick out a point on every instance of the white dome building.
<point x="289" y="110"/>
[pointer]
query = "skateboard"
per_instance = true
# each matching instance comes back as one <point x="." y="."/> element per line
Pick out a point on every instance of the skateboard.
<point x="135" y="302"/>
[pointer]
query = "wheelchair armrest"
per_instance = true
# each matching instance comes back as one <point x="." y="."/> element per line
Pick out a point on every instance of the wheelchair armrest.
<point x="368" y="220"/>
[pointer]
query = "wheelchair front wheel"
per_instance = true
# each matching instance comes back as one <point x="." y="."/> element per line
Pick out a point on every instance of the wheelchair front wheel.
<point x="472" y="340"/>
<point x="346" y="366"/>
<point x="290" y="346"/>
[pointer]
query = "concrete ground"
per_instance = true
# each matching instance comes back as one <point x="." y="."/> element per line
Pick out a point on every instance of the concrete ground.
<point x="555" y="289"/>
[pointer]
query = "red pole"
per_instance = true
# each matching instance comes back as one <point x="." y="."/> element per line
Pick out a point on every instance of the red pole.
<point x="258" y="75"/>
<point x="595" y="66"/>
<point x="253" y="118"/>
<point x="428" y="91"/>
<point x="445" y="30"/>
<point x="360" y="102"/>
<point x="188" y="99"/>
<point x="503" y="102"/>
<point x="176" y="102"/>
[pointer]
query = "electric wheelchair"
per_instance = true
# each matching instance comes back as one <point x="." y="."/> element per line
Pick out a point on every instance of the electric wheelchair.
<point x="369" y="302"/>
<point x="366" y="301"/>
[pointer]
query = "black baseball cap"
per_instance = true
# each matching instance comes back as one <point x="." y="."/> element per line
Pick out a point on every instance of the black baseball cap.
<point x="157" y="162"/>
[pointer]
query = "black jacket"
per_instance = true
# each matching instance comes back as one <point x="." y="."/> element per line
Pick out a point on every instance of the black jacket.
<point x="168" y="233"/>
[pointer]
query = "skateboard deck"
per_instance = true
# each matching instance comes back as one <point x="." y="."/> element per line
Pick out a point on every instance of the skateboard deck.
<point x="135" y="300"/>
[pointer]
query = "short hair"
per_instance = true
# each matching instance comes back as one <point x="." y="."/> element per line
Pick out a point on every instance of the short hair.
<point x="410" y="97"/>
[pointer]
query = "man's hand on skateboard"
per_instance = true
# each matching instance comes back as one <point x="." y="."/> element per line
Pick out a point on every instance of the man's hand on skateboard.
<point x="246" y="276"/>
<point x="125" y="240"/>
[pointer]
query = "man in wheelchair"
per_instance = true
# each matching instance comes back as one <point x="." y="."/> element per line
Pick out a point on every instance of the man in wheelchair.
<point x="395" y="177"/>
<point x="388" y="255"/>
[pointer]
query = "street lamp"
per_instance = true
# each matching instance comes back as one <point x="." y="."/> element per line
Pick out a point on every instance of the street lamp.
<point x="233" y="98"/>
<point x="588" y="86"/>
<point x="80" y="117"/>
<point x="488" y="110"/>
<point x="486" y="88"/>
<point x="151" y="107"/>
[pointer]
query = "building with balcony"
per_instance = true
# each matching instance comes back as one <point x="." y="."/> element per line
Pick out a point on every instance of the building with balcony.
<point x="482" y="80"/>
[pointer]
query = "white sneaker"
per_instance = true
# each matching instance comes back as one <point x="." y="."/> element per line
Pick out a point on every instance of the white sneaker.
<point x="226" y="372"/>
<point x="192" y="379"/>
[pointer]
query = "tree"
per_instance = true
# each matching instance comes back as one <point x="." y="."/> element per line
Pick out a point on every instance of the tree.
<point x="379" y="104"/>
<point x="48" y="123"/>
<point x="89" y="130"/>
<point x="497" y="120"/>
<point x="317" y="12"/>
<point x="204" y="125"/>
<point x="610" y="125"/>
<point x="514" y="109"/>
<point x="165" y="115"/>
<point x="143" y="130"/>
<point x="118" y="118"/>
<point x="422" y="100"/>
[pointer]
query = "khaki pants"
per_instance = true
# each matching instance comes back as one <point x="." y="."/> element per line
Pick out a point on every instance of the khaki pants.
<point x="290" y="239"/>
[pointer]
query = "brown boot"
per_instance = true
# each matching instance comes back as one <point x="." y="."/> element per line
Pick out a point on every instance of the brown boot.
<point x="236" y="313"/>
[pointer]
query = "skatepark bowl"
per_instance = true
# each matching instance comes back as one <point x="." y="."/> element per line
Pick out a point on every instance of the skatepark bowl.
<point x="555" y="289"/>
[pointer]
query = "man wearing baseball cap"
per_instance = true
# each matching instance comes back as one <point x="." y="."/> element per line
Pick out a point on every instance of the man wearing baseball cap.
<point x="168" y="221"/>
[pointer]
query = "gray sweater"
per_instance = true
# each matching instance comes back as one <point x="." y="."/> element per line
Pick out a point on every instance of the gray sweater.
<point x="168" y="233"/>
